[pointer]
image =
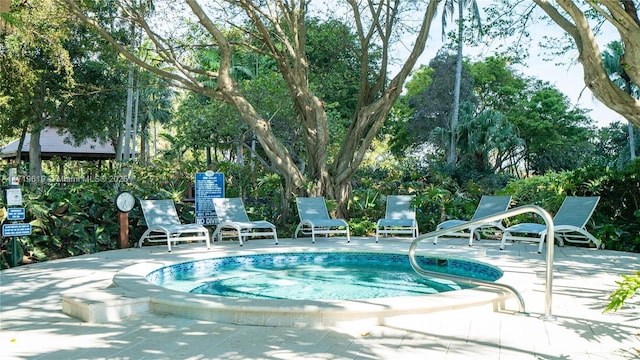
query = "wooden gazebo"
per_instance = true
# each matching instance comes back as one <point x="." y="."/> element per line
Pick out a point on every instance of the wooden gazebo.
<point x="53" y="145"/>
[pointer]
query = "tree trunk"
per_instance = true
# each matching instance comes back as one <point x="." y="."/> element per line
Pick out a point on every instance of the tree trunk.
<point x="341" y="193"/>
<point x="35" y="153"/>
<point x="452" y="156"/>
<point x="116" y="141"/>
<point x="144" y="150"/>
<point x="632" y="141"/>
<point x="23" y="134"/>
<point x="134" y="131"/>
<point x="632" y="138"/>
<point x="126" y="152"/>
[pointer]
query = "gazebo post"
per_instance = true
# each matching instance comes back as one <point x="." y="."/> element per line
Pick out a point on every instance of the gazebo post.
<point x="61" y="171"/>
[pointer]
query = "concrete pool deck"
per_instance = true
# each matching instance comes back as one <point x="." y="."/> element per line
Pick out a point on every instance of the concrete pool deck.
<point x="33" y="326"/>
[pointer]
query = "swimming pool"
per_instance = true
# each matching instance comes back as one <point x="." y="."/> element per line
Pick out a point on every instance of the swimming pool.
<point x="318" y="276"/>
<point x="140" y="281"/>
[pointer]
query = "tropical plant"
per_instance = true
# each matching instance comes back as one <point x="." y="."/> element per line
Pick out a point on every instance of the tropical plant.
<point x="627" y="288"/>
<point x="70" y="220"/>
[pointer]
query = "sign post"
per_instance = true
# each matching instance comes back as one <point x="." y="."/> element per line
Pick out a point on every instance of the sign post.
<point x="123" y="221"/>
<point x="125" y="201"/>
<point x="15" y="229"/>
<point x="208" y="185"/>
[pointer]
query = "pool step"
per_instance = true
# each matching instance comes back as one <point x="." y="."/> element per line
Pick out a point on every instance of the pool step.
<point x="102" y="306"/>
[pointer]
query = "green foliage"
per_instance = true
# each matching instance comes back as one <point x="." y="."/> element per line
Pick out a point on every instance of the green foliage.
<point x="613" y="145"/>
<point x="471" y="173"/>
<point x="547" y="191"/>
<point x="265" y="202"/>
<point x="433" y="107"/>
<point x="513" y="119"/>
<point x="431" y="206"/>
<point x="70" y="220"/>
<point x="616" y="220"/>
<point x="420" y="80"/>
<point x="366" y="204"/>
<point x="557" y="137"/>
<point x="55" y="72"/>
<point x="163" y="178"/>
<point x="361" y="227"/>
<point x="334" y="65"/>
<point x="505" y="121"/>
<point x="80" y="218"/>
<point x="13" y="254"/>
<point x="627" y="287"/>
<point x="334" y="62"/>
<point x="617" y="217"/>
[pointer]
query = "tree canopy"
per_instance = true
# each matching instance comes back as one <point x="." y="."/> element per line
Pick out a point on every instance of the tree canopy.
<point x="307" y="92"/>
<point x="585" y="23"/>
<point x="55" y="72"/>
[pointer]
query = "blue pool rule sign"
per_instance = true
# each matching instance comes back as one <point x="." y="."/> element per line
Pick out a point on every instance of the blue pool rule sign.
<point x="19" y="229"/>
<point x="208" y="185"/>
<point x="15" y="214"/>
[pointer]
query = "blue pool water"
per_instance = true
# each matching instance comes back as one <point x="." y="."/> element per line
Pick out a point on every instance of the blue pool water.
<point x="318" y="276"/>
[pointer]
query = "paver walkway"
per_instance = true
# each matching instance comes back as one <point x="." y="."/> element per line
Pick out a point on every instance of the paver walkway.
<point x="32" y="325"/>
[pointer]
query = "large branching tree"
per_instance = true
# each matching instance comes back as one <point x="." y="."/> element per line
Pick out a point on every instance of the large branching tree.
<point x="277" y="29"/>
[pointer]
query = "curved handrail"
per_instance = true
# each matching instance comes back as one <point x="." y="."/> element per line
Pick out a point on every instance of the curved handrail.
<point x="499" y="216"/>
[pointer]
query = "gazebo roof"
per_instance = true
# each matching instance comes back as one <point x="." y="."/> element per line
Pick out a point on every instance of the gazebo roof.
<point x="52" y="144"/>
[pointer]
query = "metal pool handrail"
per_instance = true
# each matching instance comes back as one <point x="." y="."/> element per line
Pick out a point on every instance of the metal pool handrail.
<point x="509" y="213"/>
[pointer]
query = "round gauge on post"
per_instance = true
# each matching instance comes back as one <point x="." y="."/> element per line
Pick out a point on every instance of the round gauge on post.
<point x="125" y="201"/>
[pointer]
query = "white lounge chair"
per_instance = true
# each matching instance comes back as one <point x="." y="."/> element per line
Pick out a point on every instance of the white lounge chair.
<point x="569" y="224"/>
<point x="232" y="215"/>
<point x="314" y="219"/>
<point x="488" y="205"/>
<point x="399" y="218"/>
<point x="164" y="225"/>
